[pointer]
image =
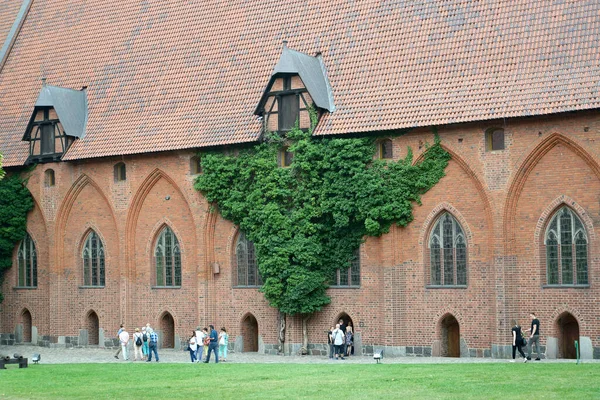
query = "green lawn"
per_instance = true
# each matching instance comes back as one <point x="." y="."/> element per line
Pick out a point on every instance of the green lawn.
<point x="291" y="381"/>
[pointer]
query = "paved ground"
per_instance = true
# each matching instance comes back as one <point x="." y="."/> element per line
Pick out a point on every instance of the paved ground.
<point x="97" y="355"/>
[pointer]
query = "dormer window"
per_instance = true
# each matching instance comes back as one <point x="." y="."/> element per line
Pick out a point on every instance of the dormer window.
<point x="47" y="136"/>
<point x="59" y="117"/>
<point x="298" y="83"/>
<point x="287" y="105"/>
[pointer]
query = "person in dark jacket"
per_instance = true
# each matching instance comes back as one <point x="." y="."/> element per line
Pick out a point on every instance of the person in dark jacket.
<point x="517" y="341"/>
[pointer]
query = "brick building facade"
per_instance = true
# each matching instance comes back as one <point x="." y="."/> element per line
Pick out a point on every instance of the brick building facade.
<point x="505" y="196"/>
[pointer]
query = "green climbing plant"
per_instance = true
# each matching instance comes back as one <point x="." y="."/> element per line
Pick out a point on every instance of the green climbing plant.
<point x="15" y="203"/>
<point x="306" y="220"/>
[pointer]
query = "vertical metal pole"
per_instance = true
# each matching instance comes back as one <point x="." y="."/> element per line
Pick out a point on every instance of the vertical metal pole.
<point x="577" y="350"/>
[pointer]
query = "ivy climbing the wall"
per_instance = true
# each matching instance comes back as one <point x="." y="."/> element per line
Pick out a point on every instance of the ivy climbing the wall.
<point x="15" y="203"/>
<point x="307" y="220"/>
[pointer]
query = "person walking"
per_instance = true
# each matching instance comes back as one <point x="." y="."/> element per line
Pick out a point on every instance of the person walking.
<point x="193" y="346"/>
<point x="223" y="343"/>
<point x="517" y="341"/>
<point x="138" y="342"/>
<point x="124" y="340"/>
<point x="153" y="345"/>
<point x="119" y="338"/>
<point x="534" y="337"/>
<point x="213" y="345"/>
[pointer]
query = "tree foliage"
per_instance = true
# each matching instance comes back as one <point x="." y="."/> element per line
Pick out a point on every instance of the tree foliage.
<point x="307" y="220"/>
<point x="15" y="203"/>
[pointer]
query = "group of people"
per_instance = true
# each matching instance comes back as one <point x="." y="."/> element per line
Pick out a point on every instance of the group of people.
<point x="203" y="343"/>
<point x="145" y="342"/>
<point x="340" y="339"/>
<point x="519" y="339"/>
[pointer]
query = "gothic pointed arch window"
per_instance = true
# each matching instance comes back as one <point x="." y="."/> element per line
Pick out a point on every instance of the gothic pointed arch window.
<point x="167" y="259"/>
<point x="447" y="253"/>
<point x="246" y="267"/>
<point x="93" y="261"/>
<point x="27" y="263"/>
<point x="566" y="243"/>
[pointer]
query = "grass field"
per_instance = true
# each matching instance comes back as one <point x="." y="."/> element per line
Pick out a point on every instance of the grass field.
<point x="293" y="381"/>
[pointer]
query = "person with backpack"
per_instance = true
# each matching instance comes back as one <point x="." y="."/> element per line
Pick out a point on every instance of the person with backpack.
<point x="145" y="349"/>
<point x="137" y="345"/>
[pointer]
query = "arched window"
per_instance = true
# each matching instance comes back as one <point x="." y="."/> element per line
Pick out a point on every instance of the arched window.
<point x="285" y="157"/>
<point x="447" y="253"/>
<point x="167" y="258"/>
<point x="120" y="172"/>
<point x="93" y="261"/>
<point x="246" y="265"/>
<point x="566" y="249"/>
<point x="195" y="165"/>
<point x="49" y="178"/>
<point x="385" y="149"/>
<point x="494" y="139"/>
<point x="27" y="260"/>
<point x="345" y="277"/>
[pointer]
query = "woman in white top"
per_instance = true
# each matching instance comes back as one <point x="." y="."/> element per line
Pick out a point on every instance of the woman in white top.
<point x="193" y="346"/>
<point x="223" y="343"/>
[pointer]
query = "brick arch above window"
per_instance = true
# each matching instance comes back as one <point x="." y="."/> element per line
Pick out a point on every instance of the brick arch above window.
<point x="435" y="213"/>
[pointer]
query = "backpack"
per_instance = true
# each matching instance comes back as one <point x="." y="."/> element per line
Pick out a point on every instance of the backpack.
<point x="145" y="337"/>
<point x="138" y="341"/>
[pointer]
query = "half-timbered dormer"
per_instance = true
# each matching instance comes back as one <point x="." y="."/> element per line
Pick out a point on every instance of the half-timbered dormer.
<point x="59" y="117"/>
<point x="298" y="82"/>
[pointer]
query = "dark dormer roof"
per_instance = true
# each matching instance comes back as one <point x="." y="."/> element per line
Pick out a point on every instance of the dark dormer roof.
<point x="70" y="105"/>
<point x="312" y="72"/>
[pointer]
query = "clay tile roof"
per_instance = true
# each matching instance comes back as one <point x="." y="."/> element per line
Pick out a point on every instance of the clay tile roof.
<point x="11" y="12"/>
<point x="166" y="74"/>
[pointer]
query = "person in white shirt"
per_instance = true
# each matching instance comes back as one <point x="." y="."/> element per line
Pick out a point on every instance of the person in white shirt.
<point x="338" y="341"/>
<point x="124" y="339"/>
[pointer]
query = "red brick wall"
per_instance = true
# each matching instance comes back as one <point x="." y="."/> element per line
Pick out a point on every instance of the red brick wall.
<point x="500" y="198"/>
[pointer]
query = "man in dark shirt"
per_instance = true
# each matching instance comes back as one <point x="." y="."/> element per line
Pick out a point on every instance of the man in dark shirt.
<point x="534" y="337"/>
<point x="213" y="345"/>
